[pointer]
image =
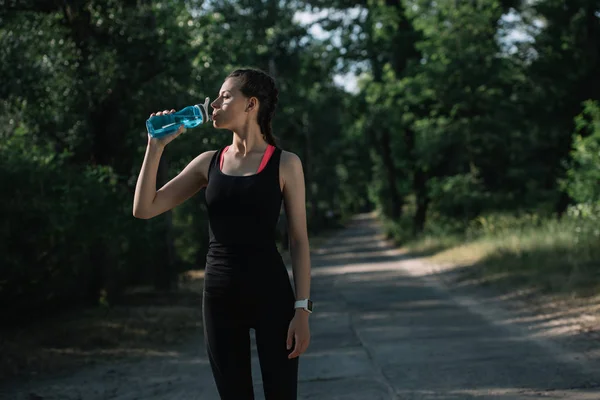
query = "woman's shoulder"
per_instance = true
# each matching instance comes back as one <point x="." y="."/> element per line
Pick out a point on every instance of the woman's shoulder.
<point x="290" y="163"/>
<point x="205" y="156"/>
<point x="289" y="158"/>
<point x="202" y="161"/>
<point x="209" y="153"/>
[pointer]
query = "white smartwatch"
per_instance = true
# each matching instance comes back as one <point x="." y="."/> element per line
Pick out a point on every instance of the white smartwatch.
<point x="305" y="304"/>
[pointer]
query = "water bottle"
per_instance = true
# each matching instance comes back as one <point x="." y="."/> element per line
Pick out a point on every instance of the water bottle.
<point x="191" y="116"/>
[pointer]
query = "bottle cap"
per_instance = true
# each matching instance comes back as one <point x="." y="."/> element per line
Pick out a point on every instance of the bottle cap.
<point x="204" y="110"/>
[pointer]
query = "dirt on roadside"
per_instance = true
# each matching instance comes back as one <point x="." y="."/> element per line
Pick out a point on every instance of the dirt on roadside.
<point x="143" y="323"/>
<point x="566" y="318"/>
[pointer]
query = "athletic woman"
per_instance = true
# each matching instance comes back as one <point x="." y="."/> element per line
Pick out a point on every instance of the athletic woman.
<point x="246" y="284"/>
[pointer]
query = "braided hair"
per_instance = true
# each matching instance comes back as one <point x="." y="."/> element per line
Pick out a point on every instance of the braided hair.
<point x="256" y="83"/>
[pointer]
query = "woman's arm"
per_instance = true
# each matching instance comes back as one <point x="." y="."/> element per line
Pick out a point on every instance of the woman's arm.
<point x="295" y="207"/>
<point x="148" y="202"/>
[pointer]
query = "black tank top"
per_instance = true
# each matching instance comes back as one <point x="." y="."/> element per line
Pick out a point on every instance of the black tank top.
<point x="243" y="210"/>
<point x="243" y="264"/>
<point x="242" y="213"/>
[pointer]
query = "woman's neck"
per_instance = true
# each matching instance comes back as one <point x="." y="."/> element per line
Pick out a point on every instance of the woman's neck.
<point x="248" y="139"/>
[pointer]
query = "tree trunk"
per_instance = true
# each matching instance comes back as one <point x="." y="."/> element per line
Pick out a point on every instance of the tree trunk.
<point x="396" y="202"/>
<point x="403" y="51"/>
<point x="419" y="184"/>
<point x="308" y="169"/>
<point x="381" y="137"/>
<point x="422" y="200"/>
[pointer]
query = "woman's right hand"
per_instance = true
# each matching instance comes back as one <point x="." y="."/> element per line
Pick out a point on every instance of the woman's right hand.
<point x="163" y="141"/>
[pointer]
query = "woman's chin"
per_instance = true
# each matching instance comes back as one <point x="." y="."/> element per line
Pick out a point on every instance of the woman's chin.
<point x="218" y="125"/>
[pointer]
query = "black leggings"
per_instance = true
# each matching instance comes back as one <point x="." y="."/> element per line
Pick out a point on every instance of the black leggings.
<point x="227" y="324"/>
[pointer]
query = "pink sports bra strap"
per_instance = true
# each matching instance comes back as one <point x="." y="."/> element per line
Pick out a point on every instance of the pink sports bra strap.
<point x="221" y="158"/>
<point x="266" y="157"/>
<point x="263" y="163"/>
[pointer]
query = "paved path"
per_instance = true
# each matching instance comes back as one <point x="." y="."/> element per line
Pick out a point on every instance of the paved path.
<point x="379" y="331"/>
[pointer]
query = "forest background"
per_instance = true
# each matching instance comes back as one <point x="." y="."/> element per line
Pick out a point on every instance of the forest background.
<point x="471" y="127"/>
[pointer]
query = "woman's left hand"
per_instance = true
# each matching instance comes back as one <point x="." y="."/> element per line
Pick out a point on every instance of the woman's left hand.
<point x="299" y="333"/>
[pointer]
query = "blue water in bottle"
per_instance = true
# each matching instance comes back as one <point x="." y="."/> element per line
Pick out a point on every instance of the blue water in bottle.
<point x="191" y="116"/>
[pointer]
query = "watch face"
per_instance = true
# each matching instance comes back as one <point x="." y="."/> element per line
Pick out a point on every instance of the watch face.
<point x="310" y="305"/>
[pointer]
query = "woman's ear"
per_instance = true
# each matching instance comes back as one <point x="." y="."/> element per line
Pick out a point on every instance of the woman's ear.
<point x="252" y="104"/>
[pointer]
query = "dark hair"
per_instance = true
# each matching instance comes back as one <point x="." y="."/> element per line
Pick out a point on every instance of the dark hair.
<point x="257" y="83"/>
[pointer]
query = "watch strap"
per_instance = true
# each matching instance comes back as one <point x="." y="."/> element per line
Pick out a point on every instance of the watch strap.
<point x="305" y="304"/>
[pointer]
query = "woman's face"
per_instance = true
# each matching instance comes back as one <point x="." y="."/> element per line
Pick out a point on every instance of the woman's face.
<point x="230" y="107"/>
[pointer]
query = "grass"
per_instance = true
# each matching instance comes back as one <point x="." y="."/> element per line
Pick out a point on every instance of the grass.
<point x="551" y="256"/>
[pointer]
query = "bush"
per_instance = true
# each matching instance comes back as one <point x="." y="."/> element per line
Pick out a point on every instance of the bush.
<point x="583" y="175"/>
<point x="461" y="196"/>
<point x="67" y="233"/>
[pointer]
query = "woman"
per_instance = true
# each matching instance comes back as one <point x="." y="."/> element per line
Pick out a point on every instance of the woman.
<point x="246" y="283"/>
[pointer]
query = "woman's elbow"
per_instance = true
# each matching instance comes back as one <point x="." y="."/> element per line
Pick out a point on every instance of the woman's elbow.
<point x="141" y="214"/>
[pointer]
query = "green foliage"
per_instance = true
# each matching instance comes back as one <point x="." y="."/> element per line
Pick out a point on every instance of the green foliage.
<point x="67" y="232"/>
<point x="480" y="124"/>
<point x="587" y="211"/>
<point x="461" y="196"/>
<point x="582" y="182"/>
